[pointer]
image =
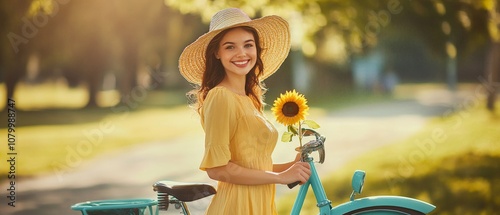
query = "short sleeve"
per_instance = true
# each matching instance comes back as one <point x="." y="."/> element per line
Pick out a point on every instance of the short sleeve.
<point x="218" y="121"/>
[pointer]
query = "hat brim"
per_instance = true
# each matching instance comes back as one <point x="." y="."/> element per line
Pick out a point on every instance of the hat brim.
<point x="274" y="35"/>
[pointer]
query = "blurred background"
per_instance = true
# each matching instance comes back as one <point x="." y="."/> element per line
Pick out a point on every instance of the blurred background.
<point x="93" y="80"/>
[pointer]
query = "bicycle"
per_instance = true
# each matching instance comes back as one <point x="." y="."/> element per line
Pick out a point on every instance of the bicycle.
<point x="178" y="193"/>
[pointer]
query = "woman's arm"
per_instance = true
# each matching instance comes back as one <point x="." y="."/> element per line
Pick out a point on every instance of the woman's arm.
<point x="284" y="166"/>
<point x="236" y="174"/>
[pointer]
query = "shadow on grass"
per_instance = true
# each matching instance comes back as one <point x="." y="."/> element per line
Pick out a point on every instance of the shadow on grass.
<point x="72" y="116"/>
<point x="58" y="116"/>
<point x="45" y="202"/>
<point x="59" y="201"/>
<point x="465" y="184"/>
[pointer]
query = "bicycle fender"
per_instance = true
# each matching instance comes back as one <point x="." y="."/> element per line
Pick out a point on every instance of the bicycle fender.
<point x="397" y="201"/>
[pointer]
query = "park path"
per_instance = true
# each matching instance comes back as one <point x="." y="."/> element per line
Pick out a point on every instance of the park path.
<point x="130" y="172"/>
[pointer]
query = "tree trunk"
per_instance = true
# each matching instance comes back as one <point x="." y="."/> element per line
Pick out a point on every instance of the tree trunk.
<point x="94" y="69"/>
<point x="93" y="83"/>
<point x="493" y="63"/>
<point x="14" y="71"/>
<point x="492" y="75"/>
<point x="12" y="77"/>
<point x="128" y="77"/>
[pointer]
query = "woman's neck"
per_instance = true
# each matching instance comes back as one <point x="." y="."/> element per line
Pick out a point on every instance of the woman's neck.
<point x="235" y="85"/>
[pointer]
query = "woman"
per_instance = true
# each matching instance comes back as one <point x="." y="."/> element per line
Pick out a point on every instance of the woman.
<point x="228" y="64"/>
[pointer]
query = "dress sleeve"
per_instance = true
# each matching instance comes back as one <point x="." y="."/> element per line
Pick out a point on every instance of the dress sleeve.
<point x="218" y="121"/>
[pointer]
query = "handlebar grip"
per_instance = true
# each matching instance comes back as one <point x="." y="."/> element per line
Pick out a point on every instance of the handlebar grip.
<point x="292" y="185"/>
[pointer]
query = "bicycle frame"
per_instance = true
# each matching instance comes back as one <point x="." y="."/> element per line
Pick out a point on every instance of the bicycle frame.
<point x="319" y="192"/>
<point x="324" y="205"/>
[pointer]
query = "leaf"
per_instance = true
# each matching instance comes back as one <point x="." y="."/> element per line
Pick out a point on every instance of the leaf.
<point x="293" y="130"/>
<point x="286" y="137"/>
<point x="311" y="124"/>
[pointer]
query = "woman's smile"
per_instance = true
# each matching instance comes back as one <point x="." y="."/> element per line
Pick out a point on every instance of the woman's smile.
<point x="237" y="52"/>
<point x="241" y="64"/>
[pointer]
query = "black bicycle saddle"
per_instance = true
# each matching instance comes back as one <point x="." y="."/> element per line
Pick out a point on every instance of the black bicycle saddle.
<point x="185" y="192"/>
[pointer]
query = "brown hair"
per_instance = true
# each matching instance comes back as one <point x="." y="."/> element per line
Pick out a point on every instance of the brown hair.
<point x="215" y="73"/>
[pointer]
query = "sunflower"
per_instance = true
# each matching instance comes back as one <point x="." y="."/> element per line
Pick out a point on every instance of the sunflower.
<point x="290" y="108"/>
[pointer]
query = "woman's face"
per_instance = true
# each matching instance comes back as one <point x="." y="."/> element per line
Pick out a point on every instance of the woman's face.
<point x="237" y="52"/>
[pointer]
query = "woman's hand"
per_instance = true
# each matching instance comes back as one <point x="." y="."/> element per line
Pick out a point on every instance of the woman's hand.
<point x="299" y="171"/>
<point x="298" y="157"/>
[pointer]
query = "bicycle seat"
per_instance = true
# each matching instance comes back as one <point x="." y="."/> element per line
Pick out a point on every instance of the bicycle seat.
<point x="185" y="192"/>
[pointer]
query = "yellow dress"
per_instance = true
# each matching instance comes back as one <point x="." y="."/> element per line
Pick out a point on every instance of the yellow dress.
<point x="235" y="131"/>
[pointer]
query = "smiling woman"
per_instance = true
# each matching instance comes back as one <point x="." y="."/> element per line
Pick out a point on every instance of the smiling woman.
<point x="228" y="65"/>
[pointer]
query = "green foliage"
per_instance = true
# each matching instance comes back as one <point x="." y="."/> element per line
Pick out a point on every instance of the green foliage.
<point x="287" y="137"/>
<point x="292" y="130"/>
<point x="358" y="25"/>
<point x="110" y="35"/>
<point x="312" y="124"/>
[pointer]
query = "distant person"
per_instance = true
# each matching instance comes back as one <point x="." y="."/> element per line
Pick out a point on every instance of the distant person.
<point x="228" y="65"/>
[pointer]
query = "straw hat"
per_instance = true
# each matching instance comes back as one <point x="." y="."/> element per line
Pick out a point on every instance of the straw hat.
<point x="274" y="37"/>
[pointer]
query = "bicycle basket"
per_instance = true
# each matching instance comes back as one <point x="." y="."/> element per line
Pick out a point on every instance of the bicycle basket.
<point x="116" y="207"/>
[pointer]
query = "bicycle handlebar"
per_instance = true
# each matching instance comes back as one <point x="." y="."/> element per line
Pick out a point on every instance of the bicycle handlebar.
<point x="292" y="185"/>
<point x="310" y="147"/>
<point x="313" y="145"/>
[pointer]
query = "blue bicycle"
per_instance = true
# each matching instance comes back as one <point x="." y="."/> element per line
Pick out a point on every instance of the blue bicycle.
<point x="177" y="194"/>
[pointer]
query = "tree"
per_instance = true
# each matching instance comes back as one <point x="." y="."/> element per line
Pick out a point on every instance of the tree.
<point x="305" y="17"/>
<point x="14" y="54"/>
<point x="86" y="40"/>
<point x="493" y="64"/>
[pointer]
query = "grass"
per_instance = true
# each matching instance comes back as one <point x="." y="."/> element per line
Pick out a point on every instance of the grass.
<point x="454" y="163"/>
<point x="46" y="148"/>
<point x="61" y="136"/>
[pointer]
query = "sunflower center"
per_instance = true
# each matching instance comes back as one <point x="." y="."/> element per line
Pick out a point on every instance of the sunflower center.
<point x="290" y="109"/>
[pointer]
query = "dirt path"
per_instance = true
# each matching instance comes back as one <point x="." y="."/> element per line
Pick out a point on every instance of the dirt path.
<point x="130" y="172"/>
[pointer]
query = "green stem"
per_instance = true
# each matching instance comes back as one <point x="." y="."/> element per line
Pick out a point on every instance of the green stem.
<point x="300" y="134"/>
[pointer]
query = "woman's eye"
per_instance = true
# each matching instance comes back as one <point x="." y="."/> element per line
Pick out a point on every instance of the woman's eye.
<point x="249" y="45"/>
<point x="229" y="47"/>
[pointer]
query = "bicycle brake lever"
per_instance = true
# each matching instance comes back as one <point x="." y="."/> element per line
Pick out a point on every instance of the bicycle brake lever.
<point x="321" y="153"/>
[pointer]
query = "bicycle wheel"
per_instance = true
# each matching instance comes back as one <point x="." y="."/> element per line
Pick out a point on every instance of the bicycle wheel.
<point x="384" y="210"/>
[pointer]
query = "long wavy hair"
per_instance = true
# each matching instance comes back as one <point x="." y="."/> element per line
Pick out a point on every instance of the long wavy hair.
<point x="215" y="73"/>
